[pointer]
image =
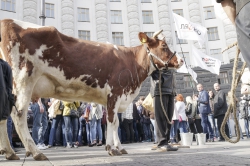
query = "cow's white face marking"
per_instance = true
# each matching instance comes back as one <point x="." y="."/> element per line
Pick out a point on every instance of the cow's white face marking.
<point x="98" y="45"/>
<point x="179" y="60"/>
<point x="115" y="47"/>
<point x="26" y="25"/>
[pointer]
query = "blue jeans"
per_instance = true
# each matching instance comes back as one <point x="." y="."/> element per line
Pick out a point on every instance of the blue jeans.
<point x="183" y="126"/>
<point x="246" y="121"/>
<point x="43" y="128"/>
<point x="135" y="131"/>
<point x="174" y="128"/>
<point x="9" y="130"/>
<point x="53" y="129"/>
<point x="147" y="131"/>
<point x="82" y="121"/>
<point x="37" y="124"/>
<point x="99" y="129"/>
<point x="71" y="129"/>
<point x="91" y="130"/>
<point x="213" y="125"/>
<point x="206" y="126"/>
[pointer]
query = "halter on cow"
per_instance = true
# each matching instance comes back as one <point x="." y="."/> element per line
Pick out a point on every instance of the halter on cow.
<point x="46" y="63"/>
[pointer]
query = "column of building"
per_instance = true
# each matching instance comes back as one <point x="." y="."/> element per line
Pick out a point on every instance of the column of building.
<point x="195" y="17"/>
<point x="133" y="22"/>
<point x="67" y="7"/>
<point x="164" y="20"/>
<point x="30" y="11"/>
<point x="230" y="33"/>
<point x="101" y="20"/>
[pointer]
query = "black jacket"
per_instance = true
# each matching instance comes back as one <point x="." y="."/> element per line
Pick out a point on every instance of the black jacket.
<point x="135" y="113"/>
<point x="167" y="82"/>
<point x="220" y="103"/>
<point x="6" y="97"/>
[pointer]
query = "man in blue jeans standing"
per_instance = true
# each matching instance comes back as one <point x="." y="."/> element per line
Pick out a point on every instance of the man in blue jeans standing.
<point x="204" y="109"/>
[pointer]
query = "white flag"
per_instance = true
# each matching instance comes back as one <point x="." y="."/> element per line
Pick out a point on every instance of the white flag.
<point x="190" y="31"/>
<point x="205" y="62"/>
<point x="187" y="69"/>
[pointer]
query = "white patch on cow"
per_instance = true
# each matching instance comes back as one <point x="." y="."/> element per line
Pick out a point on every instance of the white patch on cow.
<point x="1" y="52"/>
<point x="108" y="42"/>
<point x="26" y="25"/>
<point x="115" y="47"/>
<point x="100" y="70"/>
<point x="179" y="60"/>
<point x="58" y="54"/>
<point x="98" y="45"/>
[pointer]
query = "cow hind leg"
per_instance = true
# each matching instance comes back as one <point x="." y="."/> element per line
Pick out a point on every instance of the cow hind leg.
<point x="5" y="147"/>
<point x="21" y="126"/>
<point x="117" y="142"/>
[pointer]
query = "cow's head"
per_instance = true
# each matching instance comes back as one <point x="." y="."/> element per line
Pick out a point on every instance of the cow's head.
<point x="245" y="79"/>
<point x="158" y="48"/>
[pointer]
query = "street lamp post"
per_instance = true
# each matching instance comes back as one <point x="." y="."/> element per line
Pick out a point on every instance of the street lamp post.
<point x="42" y="16"/>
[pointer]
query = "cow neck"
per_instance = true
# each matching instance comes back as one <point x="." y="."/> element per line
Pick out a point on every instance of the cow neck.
<point x="143" y="61"/>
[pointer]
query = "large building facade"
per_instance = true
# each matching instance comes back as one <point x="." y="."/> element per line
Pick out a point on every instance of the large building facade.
<point x="119" y="21"/>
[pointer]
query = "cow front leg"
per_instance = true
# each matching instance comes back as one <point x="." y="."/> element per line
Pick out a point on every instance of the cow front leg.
<point x="117" y="142"/>
<point x="5" y="147"/>
<point x="21" y="126"/>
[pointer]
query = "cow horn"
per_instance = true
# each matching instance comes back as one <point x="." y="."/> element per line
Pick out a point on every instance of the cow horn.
<point x="157" y="33"/>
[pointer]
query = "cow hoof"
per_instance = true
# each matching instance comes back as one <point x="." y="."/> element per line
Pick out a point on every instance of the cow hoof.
<point x="40" y="157"/>
<point x="114" y="152"/>
<point x="123" y="151"/>
<point x="107" y="147"/>
<point x="12" y="157"/>
<point x="28" y="153"/>
<point x="2" y="152"/>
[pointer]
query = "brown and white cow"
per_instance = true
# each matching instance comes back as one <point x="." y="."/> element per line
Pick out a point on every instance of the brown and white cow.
<point x="46" y="63"/>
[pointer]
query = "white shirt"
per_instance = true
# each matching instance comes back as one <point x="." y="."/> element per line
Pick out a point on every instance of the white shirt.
<point x="180" y="108"/>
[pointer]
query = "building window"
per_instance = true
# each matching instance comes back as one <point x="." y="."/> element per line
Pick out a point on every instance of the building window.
<point x="49" y="8"/>
<point x="145" y="1"/>
<point x="118" y="38"/>
<point x="209" y="12"/>
<point x="147" y="17"/>
<point x="215" y="51"/>
<point x="83" y="14"/>
<point x="188" y="82"/>
<point x="115" y="0"/>
<point x="223" y="78"/>
<point x="185" y="56"/>
<point x="178" y="11"/>
<point x="116" y="16"/>
<point x="212" y="34"/>
<point x="85" y="35"/>
<point x="180" y="41"/>
<point x="9" y="5"/>
<point x="149" y="34"/>
<point x="176" y="1"/>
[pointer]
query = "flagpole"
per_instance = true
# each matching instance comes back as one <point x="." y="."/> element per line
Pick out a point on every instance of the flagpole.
<point x="186" y="64"/>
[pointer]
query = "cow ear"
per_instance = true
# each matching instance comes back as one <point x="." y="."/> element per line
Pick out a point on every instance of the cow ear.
<point x="143" y="37"/>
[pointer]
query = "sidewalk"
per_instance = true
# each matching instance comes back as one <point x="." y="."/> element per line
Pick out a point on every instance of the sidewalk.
<point x="140" y="154"/>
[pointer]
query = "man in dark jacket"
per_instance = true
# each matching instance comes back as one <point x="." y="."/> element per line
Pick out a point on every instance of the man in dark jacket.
<point x="204" y="109"/>
<point x="168" y="93"/>
<point x="6" y="96"/>
<point x="220" y="108"/>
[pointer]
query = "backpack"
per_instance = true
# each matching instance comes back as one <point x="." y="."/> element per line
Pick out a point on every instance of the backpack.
<point x="188" y="109"/>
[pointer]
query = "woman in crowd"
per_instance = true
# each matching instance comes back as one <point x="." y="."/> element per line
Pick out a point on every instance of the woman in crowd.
<point x="180" y="108"/>
<point x="211" y="119"/>
<point x="188" y="110"/>
<point x="71" y="123"/>
<point x="174" y="127"/>
<point x="56" y="106"/>
<point x="196" y="116"/>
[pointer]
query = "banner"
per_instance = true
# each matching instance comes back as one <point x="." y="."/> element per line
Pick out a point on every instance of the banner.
<point x="187" y="69"/>
<point x="205" y="62"/>
<point x="190" y="31"/>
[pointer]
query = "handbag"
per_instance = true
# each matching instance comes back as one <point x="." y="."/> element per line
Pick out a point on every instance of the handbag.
<point x="180" y="119"/>
<point x="148" y="103"/>
<point x="86" y="113"/>
<point x="74" y="113"/>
